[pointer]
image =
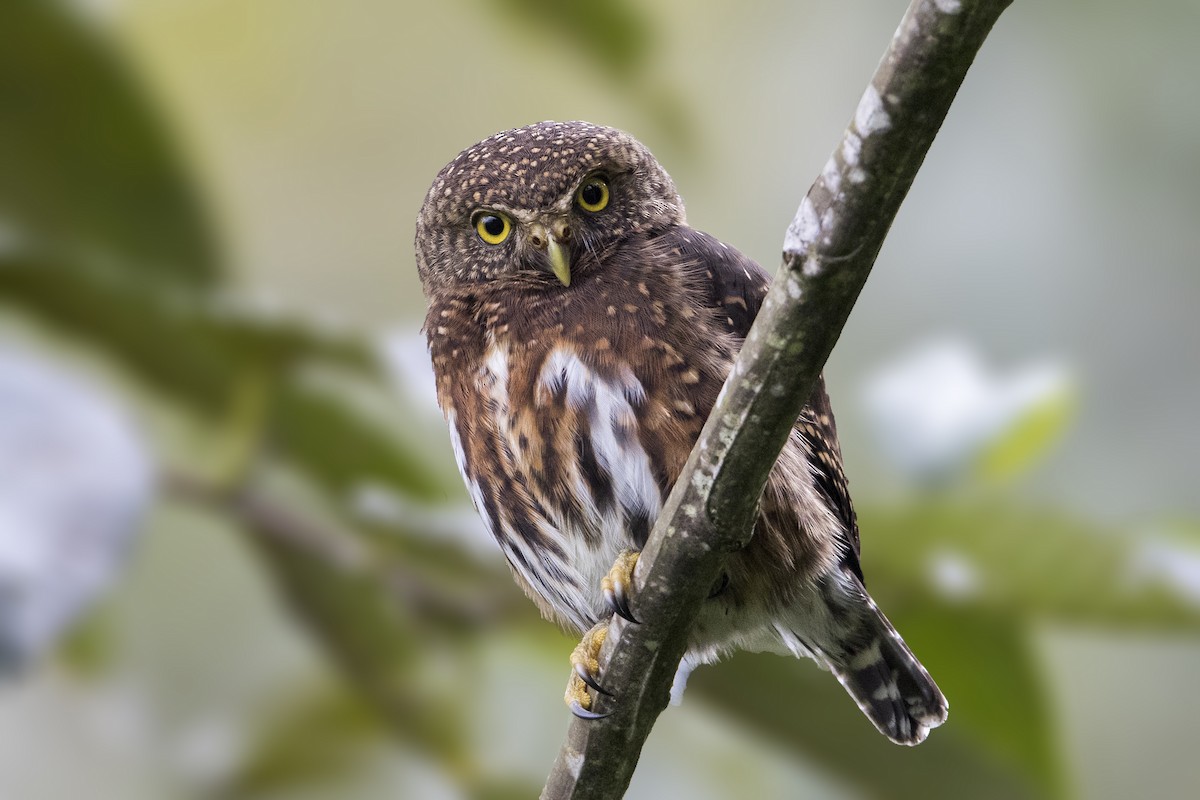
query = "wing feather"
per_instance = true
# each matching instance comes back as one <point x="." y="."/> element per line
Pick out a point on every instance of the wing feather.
<point x="738" y="286"/>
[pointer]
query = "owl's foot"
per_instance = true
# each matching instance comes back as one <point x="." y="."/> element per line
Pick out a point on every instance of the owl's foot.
<point x="585" y="665"/>
<point x="585" y="658"/>
<point x="618" y="582"/>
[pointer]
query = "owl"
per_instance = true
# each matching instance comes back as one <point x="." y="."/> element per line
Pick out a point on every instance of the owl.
<point x="580" y="332"/>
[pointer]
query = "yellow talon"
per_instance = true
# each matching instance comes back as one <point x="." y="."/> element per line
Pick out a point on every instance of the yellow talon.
<point x="585" y="664"/>
<point x="585" y="658"/>
<point x="617" y="583"/>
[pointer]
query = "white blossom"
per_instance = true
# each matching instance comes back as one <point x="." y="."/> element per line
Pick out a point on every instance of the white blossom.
<point x="939" y="406"/>
<point x="75" y="479"/>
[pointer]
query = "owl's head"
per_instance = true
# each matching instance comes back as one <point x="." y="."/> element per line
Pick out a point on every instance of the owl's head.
<point x="546" y="199"/>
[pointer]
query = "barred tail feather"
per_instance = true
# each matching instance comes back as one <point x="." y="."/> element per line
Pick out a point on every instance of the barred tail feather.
<point x="890" y="685"/>
<point x="842" y="629"/>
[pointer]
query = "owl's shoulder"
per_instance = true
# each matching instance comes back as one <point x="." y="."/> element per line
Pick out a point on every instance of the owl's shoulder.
<point x="711" y="275"/>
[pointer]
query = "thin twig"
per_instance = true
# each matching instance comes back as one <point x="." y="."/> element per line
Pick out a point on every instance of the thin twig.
<point x="829" y="250"/>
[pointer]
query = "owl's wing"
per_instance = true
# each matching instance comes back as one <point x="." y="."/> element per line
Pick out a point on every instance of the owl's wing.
<point x="738" y="285"/>
<point x="820" y="432"/>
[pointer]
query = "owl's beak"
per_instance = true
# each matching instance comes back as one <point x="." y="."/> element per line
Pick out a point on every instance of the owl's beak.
<point x="560" y="260"/>
<point x="554" y="240"/>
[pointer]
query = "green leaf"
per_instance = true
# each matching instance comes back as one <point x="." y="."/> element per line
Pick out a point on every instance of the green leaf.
<point x="88" y="648"/>
<point x="965" y="584"/>
<point x="1028" y="565"/>
<point x="203" y="355"/>
<point x="167" y="344"/>
<point x="986" y="667"/>
<point x="86" y="162"/>
<point x="401" y="637"/>
<point x="190" y="346"/>
<point x="336" y="587"/>
<point x="340" y="449"/>
<point x="1030" y="438"/>
<point x="320" y="735"/>
<point x="799" y="706"/>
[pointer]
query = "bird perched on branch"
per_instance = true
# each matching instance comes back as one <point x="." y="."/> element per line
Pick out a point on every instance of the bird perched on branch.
<point x="580" y="332"/>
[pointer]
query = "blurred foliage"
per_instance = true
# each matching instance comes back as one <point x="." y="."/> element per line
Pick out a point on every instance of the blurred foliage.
<point x="85" y="162"/>
<point x="614" y="35"/>
<point x="616" y="38"/>
<point x="213" y="343"/>
<point x="793" y="706"/>
<point x="203" y="354"/>
<point x="1019" y="563"/>
<point x="390" y="626"/>
<point x="321" y="734"/>
<point x="342" y="593"/>
<point x="1029" y="438"/>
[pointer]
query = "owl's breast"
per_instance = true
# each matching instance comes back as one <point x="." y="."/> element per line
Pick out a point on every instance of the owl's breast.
<point x="572" y="414"/>
<point x="546" y="432"/>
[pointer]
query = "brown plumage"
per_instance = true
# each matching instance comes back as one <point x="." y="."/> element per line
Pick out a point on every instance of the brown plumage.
<point x="580" y="333"/>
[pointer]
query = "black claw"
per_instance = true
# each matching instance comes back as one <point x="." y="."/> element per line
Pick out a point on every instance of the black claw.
<point x="619" y="603"/>
<point x="583" y="713"/>
<point x="587" y="678"/>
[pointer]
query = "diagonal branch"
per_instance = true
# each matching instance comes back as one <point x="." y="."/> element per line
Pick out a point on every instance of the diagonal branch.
<point x="828" y="253"/>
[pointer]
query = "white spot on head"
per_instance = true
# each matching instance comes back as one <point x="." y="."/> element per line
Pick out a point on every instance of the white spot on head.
<point x="871" y="117"/>
<point x="857" y="175"/>
<point x="948" y="6"/>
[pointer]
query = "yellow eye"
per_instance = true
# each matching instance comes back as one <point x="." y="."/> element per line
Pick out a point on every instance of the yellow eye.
<point x="492" y="228"/>
<point x="593" y="194"/>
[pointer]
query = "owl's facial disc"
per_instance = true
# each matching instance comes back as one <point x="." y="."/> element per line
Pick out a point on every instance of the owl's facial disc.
<point x="554" y="237"/>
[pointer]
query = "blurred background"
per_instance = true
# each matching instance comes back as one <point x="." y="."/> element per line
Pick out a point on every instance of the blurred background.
<point x="236" y="560"/>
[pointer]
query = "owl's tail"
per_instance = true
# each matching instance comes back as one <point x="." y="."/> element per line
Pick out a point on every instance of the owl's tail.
<point x="891" y="687"/>
<point x="866" y="654"/>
